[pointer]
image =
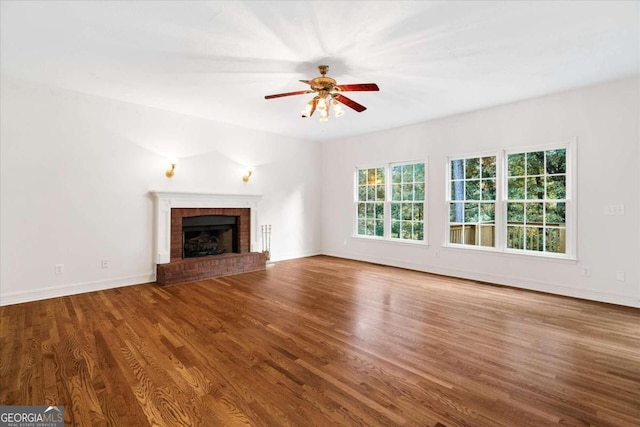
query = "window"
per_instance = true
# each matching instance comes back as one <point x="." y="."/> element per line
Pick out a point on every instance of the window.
<point x="371" y="198"/>
<point x="515" y="201"/>
<point x="536" y="201"/>
<point x="407" y="201"/>
<point x="472" y="203"/>
<point x="391" y="209"/>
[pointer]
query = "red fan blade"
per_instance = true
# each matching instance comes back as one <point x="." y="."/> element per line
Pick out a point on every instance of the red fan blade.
<point x="349" y="103"/>
<point x="280" y="95"/>
<point x="359" y="87"/>
<point x="305" y="81"/>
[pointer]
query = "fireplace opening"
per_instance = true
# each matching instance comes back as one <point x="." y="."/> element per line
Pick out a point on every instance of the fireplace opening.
<point x="209" y="235"/>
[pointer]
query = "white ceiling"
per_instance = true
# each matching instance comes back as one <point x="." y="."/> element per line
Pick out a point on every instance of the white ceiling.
<point x="217" y="59"/>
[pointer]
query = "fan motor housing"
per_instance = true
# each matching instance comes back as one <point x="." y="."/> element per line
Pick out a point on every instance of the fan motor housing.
<point x="322" y="83"/>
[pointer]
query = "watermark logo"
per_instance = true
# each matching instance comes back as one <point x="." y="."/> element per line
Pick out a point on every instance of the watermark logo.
<point x="31" y="416"/>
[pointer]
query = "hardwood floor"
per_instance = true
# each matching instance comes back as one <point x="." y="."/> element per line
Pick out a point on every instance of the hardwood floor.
<point x="323" y="341"/>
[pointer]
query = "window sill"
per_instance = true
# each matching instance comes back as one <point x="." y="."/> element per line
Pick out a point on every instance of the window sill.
<point x="513" y="253"/>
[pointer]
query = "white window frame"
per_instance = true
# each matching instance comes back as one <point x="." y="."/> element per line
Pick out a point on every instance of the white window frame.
<point x="387" y="204"/>
<point x="501" y="201"/>
<point x="356" y="201"/>
<point x="498" y="210"/>
<point x="570" y="205"/>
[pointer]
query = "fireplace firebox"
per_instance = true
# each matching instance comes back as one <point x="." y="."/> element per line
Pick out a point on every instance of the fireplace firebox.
<point x="209" y="235"/>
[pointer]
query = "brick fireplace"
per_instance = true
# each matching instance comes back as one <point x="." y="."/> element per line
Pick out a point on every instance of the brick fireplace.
<point x="173" y="208"/>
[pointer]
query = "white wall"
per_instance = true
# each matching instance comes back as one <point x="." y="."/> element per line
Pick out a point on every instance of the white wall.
<point x="76" y="172"/>
<point x="604" y="121"/>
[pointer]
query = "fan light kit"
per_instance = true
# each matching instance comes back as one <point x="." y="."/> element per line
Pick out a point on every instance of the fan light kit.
<point x="329" y="95"/>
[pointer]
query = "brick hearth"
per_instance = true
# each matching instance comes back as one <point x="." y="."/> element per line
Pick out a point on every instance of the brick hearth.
<point x="191" y="269"/>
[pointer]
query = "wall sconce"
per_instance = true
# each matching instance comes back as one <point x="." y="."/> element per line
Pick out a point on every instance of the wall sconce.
<point x="248" y="175"/>
<point x="170" y="172"/>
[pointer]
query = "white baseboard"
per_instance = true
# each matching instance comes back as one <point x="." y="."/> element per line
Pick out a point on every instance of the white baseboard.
<point x="76" y="288"/>
<point x="516" y="282"/>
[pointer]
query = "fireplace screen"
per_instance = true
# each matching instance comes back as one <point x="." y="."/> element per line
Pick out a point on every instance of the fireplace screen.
<point x="209" y="235"/>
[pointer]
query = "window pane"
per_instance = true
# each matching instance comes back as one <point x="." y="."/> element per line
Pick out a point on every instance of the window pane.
<point x="535" y="163"/>
<point x="457" y="169"/>
<point x="515" y="164"/>
<point x="418" y="212"/>
<point x="487" y="235"/>
<point x="487" y="212"/>
<point x="407" y="191"/>
<point x="555" y="213"/>
<point x="515" y="190"/>
<point x="407" y="230"/>
<point x="370" y="210"/>
<point x="371" y="227"/>
<point x="455" y="234"/>
<point x="379" y="210"/>
<point x="362" y="193"/>
<point x="556" y="187"/>
<point x="362" y="229"/>
<point x="469" y="235"/>
<point x="395" y="211"/>
<point x="472" y="190"/>
<point x="380" y="176"/>
<point x="396" y="174"/>
<point x="371" y="193"/>
<point x="419" y="172"/>
<point x="515" y="237"/>
<point x="515" y="213"/>
<point x="535" y="239"/>
<point x="488" y="189"/>
<point x="380" y="228"/>
<point x="371" y="176"/>
<point x="471" y="212"/>
<point x="418" y="191"/>
<point x="555" y="240"/>
<point x="395" y="229"/>
<point x="489" y="167"/>
<point x="418" y="230"/>
<point x="457" y="190"/>
<point x="407" y="173"/>
<point x="472" y="168"/>
<point x="396" y="192"/>
<point x="361" y="210"/>
<point x="557" y="161"/>
<point x="407" y="211"/>
<point x="456" y="212"/>
<point x="362" y="177"/>
<point x="534" y="213"/>
<point x="380" y="192"/>
<point x="535" y="188"/>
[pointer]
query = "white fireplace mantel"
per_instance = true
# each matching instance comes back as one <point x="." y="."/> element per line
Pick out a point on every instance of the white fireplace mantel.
<point x="166" y="200"/>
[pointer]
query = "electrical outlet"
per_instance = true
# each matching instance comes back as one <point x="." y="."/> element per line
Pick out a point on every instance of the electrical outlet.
<point x="620" y="275"/>
<point x="59" y="268"/>
<point x="586" y="271"/>
<point x="105" y="263"/>
<point x="614" y="210"/>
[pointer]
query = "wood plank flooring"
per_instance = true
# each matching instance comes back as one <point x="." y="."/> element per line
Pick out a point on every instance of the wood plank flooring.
<point x="323" y="341"/>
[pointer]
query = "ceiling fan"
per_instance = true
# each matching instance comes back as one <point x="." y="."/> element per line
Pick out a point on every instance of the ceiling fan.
<point x="329" y="95"/>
